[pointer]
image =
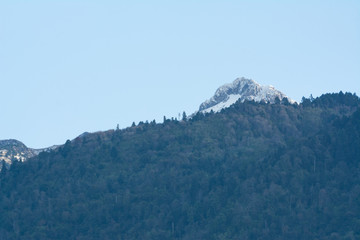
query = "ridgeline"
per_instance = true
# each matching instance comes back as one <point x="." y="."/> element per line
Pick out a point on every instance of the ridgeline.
<point x="252" y="171"/>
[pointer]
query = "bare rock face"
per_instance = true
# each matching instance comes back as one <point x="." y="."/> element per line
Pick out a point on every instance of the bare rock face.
<point x="241" y="89"/>
<point x="13" y="150"/>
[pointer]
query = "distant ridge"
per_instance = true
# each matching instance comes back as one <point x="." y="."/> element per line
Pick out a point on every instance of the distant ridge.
<point x="14" y="150"/>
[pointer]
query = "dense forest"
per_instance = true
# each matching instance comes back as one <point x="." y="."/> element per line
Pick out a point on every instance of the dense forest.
<point x="253" y="171"/>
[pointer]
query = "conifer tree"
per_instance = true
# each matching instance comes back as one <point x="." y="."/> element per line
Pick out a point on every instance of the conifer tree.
<point x="184" y="117"/>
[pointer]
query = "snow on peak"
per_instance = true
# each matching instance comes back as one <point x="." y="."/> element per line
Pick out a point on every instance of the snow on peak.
<point x="243" y="89"/>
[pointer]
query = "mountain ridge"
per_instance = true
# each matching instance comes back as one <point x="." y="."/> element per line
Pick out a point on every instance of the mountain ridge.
<point x="252" y="171"/>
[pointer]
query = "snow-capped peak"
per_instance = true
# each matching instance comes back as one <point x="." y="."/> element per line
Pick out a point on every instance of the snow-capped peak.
<point x="243" y="89"/>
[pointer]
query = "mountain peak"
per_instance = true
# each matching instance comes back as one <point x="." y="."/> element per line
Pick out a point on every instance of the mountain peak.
<point x="243" y="89"/>
<point x="14" y="150"/>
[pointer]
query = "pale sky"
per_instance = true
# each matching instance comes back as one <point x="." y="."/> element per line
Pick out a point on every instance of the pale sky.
<point x="67" y="67"/>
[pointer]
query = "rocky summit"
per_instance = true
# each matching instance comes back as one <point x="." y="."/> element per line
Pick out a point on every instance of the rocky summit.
<point x="241" y="89"/>
<point x="13" y="150"/>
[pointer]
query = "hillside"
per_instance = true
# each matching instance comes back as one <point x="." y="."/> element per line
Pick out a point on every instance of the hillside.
<point x="251" y="171"/>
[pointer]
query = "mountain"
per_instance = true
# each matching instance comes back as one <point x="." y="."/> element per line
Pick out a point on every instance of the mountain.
<point x="254" y="170"/>
<point x="13" y="150"/>
<point x="241" y="89"/>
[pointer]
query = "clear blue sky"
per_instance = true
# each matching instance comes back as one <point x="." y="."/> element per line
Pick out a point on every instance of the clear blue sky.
<point x="67" y="67"/>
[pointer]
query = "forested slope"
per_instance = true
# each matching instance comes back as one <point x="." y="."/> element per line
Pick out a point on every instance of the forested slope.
<point x="252" y="171"/>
